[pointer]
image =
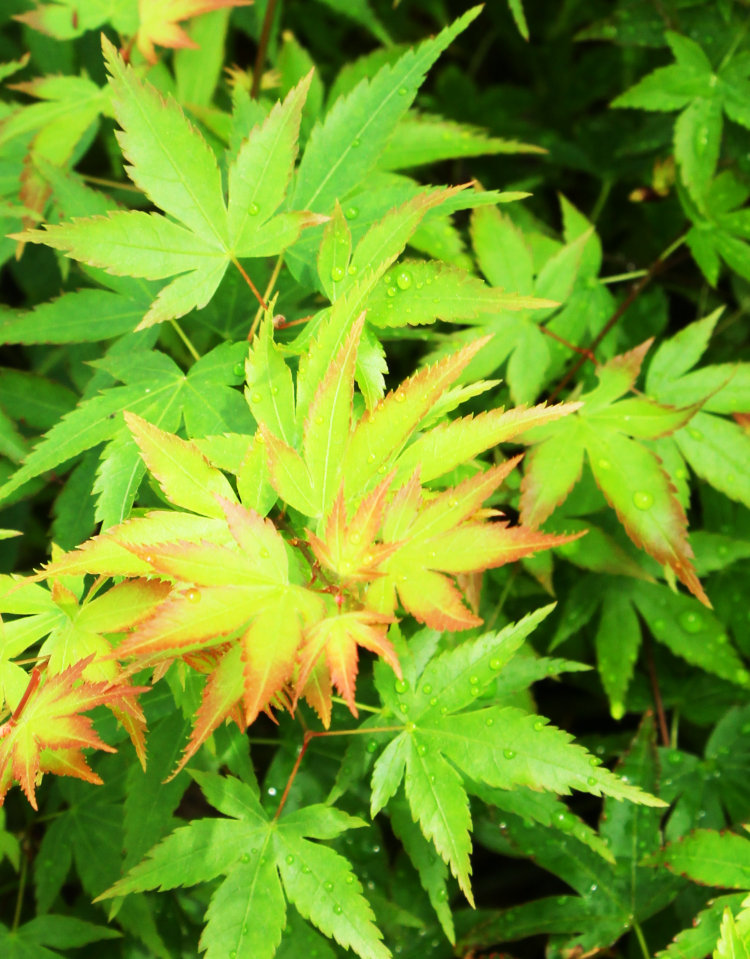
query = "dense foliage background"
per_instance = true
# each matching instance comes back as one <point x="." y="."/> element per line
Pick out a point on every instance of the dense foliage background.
<point x="611" y="271"/>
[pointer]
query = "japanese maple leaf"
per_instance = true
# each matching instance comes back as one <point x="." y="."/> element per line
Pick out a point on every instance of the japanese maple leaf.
<point x="436" y="538"/>
<point x="175" y="167"/>
<point x="159" y="22"/>
<point x="47" y="732"/>
<point x="629" y="474"/>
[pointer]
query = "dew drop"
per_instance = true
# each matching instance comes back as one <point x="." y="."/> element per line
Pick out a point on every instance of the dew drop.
<point x="337" y="274"/>
<point x="691" y="621"/>
<point x="591" y="781"/>
<point x="356" y="142"/>
<point x="696" y="434"/>
<point x="371" y="746"/>
<point x="233" y="954"/>
<point x="617" y="711"/>
<point x="675" y="759"/>
<point x="239" y="369"/>
<point x="387" y="279"/>
<point x="391" y="291"/>
<point x="433" y="701"/>
<point x="496" y="663"/>
<point x="264" y="554"/>
<point x="422" y="750"/>
<point x="489" y="721"/>
<point x="400" y="685"/>
<point x="443" y="710"/>
<point x="351" y="213"/>
<point x="351" y="270"/>
<point x="306" y="870"/>
<point x="256" y="397"/>
<point x="404" y="280"/>
<point x="245" y="857"/>
<point x="604" y="464"/>
<point x="328" y="885"/>
<point x="253" y="209"/>
<point x="290" y="859"/>
<point x="643" y="499"/>
<point x="509" y="753"/>
<point x="473" y="680"/>
<point x="271" y="791"/>
<point x="426" y="689"/>
<point x="402" y="91"/>
<point x="193" y="596"/>
<point x="593" y="761"/>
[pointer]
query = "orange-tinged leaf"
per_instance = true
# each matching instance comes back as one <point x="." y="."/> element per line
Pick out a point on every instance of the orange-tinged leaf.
<point x="328" y="422"/>
<point x="159" y="22"/>
<point x="195" y="619"/>
<point x="289" y="474"/>
<point x="460" y="502"/>
<point x="222" y="692"/>
<point x="474" y="546"/>
<point x="184" y="474"/>
<point x="204" y="564"/>
<point x="381" y="433"/>
<point x="636" y="486"/>
<point x="349" y="548"/>
<point x="552" y="470"/>
<point x="433" y="599"/>
<point x="317" y="691"/>
<point x="269" y="648"/>
<point x="109" y="554"/>
<point x="259" y="539"/>
<point x="454" y="442"/>
<point x="336" y="638"/>
<point x="48" y="720"/>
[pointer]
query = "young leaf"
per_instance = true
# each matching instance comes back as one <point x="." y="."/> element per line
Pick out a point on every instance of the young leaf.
<point x="172" y="163"/>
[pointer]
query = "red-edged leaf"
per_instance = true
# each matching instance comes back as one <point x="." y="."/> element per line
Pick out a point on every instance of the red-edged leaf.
<point x="159" y="22"/>
<point x="48" y="720"/>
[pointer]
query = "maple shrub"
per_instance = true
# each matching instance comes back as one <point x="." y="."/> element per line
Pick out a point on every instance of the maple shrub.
<point x="308" y="467"/>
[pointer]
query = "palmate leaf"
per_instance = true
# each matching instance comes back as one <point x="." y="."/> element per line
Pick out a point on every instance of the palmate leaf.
<point x="172" y="163"/>
<point x="716" y="448"/>
<point x="159" y="22"/>
<point x="155" y="388"/>
<point x="355" y="132"/>
<point x="266" y="864"/>
<point x="445" y="745"/>
<point x="612" y="895"/>
<point x="708" y="857"/>
<point x="47" y="732"/>
<point x="703" y="95"/>
<point x="609" y="432"/>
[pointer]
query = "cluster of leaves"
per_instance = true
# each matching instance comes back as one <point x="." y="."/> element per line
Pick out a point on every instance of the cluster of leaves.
<point x="265" y="378"/>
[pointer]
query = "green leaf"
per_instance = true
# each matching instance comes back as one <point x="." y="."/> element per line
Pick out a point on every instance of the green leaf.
<point x="173" y="164"/>
<point x="709" y="857"/>
<point x="247" y="914"/>
<point x="356" y="129"/>
<point x="420" y="138"/>
<point x="184" y="474"/>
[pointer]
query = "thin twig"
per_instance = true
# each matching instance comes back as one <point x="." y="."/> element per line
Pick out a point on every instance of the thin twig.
<point x="656" y="692"/>
<point x="260" y="56"/>
<point x="656" y="267"/>
<point x="250" y="283"/>
<point x="581" y="350"/>
<point x="266" y="295"/>
<point x="186" y="340"/>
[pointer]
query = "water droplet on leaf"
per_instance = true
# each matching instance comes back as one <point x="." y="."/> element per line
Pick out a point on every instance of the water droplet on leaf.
<point x="337" y="274"/>
<point x="643" y="499"/>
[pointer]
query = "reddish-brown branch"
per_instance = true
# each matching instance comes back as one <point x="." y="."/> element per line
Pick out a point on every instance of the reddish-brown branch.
<point x="250" y="283"/>
<point x="260" y="56"/>
<point x="656" y="692"/>
<point x="658" y="266"/>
